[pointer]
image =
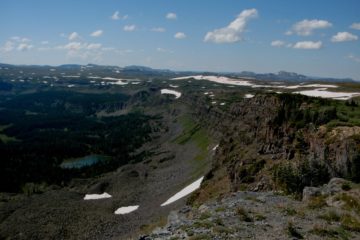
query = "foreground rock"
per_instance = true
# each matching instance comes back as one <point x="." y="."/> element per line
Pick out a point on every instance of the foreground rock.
<point x="267" y="215"/>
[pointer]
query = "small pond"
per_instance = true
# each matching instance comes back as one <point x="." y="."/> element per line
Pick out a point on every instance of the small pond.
<point x="82" y="162"/>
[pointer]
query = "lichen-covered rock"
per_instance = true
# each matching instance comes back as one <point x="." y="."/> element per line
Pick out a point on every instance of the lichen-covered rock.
<point x="258" y="215"/>
<point x="327" y="191"/>
<point x="311" y="192"/>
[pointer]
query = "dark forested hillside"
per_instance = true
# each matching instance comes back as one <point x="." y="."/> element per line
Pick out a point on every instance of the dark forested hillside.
<point x="41" y="130"/>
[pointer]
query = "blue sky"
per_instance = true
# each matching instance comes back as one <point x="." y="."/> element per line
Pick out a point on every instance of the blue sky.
<point x="317" y="38"/>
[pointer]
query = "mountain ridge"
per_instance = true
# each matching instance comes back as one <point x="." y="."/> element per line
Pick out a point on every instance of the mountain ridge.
<point x="279" y="76"/>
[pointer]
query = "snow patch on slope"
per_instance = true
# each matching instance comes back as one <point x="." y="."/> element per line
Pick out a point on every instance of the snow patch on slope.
<point x="97" y="196"/>
<point x="126" y="210"/>
<point x="184" y="192"/>
<point x="172" y="92"/>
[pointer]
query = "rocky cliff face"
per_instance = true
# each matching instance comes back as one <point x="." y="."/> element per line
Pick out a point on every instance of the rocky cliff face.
<point x="278" y="141"/>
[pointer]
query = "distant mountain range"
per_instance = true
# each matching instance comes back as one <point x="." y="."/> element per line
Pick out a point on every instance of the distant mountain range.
<point x="142" y="70"/>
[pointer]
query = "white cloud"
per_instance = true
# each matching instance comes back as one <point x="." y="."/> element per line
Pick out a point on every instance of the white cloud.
<point x="24" y="47"/>
<point x="308" y="45"/>
<point x="344" y="37"/>
<point x="307" y="27"/>
<point x="278" y="43"/>
<point x="158" y="29"/>
<point x="233" y="32"/>
<point x="97" y="33"/>
<point x="8" y="46"/>
<point x="171" y="16"/>
<point x="355" y="26"/>
<point x="45" y="42"/>
<point x="73" y="36"/>
<point x="25" y="40"/>
<point x="180" y="35"/>
<point x="76" y="46"/>
<point x="354" y="58"/>
<point x="129" y="28"/>
<point x="20" y="39"/>
<point x="116" y="16"/>
<point x="85" y="51"/>
<point x="16" y="43"/>
<point x="93" y="46"/>
<point x="77" y="49"/>
<point x="73" y="46"/>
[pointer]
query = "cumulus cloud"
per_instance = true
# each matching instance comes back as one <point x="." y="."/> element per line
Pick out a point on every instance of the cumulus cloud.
<point x="92" y="46"/>
<point x="158" y="29"/>
<point x="180" y="35"/>
<point x="115" y="16"/>
<point x="16" y="43"/>
<point x="20" y="39"/>
<point x="73" y="46"/>
<point x="8" y="46"/>
<point x="73" y="36"/>
<point x="355" y="26"/>
<point x="129" y="28"/>
<point x="24" y="47"/>
<point x="307" y="27"/>
<point x="171" y="16"/>
<point x="83" y="50"/>
<point x="278" y="43"/>
<point x="233" y="32"/>
<point x="86" y="55"/>
<point x="308" y="45"/>
<point x="76" y="46"/>
<point x="344" y="37"/>
<point x="97" y="33"/>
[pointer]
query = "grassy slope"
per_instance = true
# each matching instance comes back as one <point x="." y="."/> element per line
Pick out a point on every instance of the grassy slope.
<point x="194" y="133"/>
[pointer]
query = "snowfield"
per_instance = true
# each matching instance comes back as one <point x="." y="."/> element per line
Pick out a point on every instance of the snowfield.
<point x="120" y="82"/>
<point x="172" y="92"/>
<point x="221" y="80"/>
<point x="232" y="81"/>
<point x="112" y="79"/>
<point x="295" y="86"/>
<point x="322" y="92"/>
<point x="126" y="210"/>
<point x="115" y="81"/>
<point x="97" y="196"/>
<point x="184" y="192"/>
